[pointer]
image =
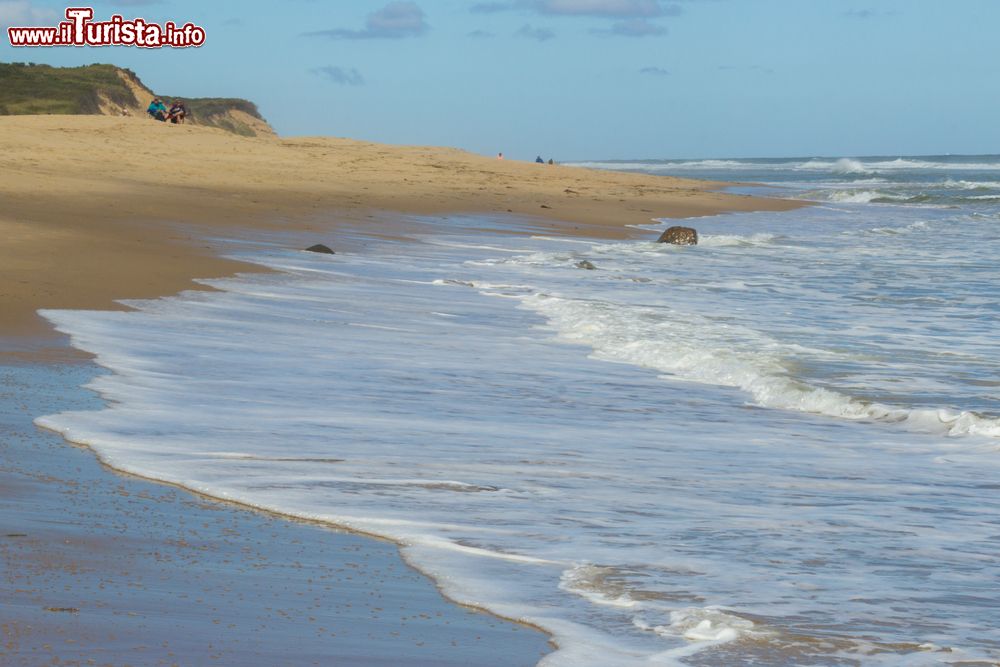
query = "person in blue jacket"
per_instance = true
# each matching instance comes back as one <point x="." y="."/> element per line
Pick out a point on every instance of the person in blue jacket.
<point x="157" y="109"/>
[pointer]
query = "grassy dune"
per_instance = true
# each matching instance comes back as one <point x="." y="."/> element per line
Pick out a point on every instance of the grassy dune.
<point x="42" y="89"/>
<point x="30" y="89"/>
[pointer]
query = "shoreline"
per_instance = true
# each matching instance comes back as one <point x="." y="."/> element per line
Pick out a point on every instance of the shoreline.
<point x="90" y="240"/>
<point x="106" y="565"/>
<point x="97" y="209"/>
<point x="330" y="526"/>
<point x="291" y="518"/>
<point x="65" y="353"/>
<point x="241" y="506"/>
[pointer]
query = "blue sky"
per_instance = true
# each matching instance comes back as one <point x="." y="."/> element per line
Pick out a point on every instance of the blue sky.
<point x="585" y="79"/>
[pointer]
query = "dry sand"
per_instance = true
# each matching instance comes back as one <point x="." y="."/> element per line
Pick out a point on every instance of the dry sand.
<point x="97" y="208"/>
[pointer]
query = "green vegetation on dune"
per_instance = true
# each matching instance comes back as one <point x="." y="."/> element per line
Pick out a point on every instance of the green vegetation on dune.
<point x="30" y="89"/>
<point x="42" y="89"/>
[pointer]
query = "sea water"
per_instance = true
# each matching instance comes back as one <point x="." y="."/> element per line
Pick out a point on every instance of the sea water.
<point x="781" y="446"/>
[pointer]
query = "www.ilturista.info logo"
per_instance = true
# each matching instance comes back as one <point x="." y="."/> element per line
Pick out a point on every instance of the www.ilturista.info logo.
<point x="79" y="29"/>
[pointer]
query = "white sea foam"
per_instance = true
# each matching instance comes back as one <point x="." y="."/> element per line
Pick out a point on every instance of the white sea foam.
<point x="858" y="196"/>
<point x="738" y="446"/>
<point x="863" y="166"/>
<point x="918" y="226"/>
<point x="693" y="348"/>
<point x="865" y="196"/>
<point x="845" y="166"/>
<point x="591" y="582"/>
<point x="971" y="185"/>
<point x="903" y="163"/>
<point x="723" y="240"/>
<point x="848" y="166"/>
<point x="708" y="624"/>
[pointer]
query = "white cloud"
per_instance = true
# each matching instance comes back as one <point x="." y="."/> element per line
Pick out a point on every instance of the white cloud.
<point x="611" y="8"/>
<point x="23" y="13"/>
<point x="616" y="9"/>
<point x="630" y="17"/>
<point x="343" y="76"/>
<point x="394" y="21"/>
<point x="540" y="34"/>
<point x="633" y="28"/>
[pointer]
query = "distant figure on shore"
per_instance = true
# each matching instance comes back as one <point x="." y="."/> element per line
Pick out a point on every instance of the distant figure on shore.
<point x="550" y="161"/>
<point x="178" y="112"/>
<point x="539" y="160"/>
<point x="499" y="156"/>
<point x="157" y="109"/>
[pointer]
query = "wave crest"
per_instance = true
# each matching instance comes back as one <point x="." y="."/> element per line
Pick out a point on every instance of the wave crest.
<point x="692" y="348"/>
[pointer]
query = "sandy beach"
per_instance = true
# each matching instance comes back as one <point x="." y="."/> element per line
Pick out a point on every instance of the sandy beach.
<point x="490" y="419"/>
<point x="95" y="209"/>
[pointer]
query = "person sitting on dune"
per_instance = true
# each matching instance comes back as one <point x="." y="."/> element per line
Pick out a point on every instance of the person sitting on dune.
<point x="178" y="112"/>
<point x="157" y="109"/>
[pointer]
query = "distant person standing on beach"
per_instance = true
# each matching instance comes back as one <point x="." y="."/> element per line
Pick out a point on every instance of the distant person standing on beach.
<point x="499" y="156"/>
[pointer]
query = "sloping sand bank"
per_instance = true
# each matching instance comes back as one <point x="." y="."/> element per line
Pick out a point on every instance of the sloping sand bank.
<point x="94" y="208"/>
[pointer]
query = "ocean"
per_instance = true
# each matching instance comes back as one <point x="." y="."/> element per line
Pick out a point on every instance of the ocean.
<point x="781" y="446"/>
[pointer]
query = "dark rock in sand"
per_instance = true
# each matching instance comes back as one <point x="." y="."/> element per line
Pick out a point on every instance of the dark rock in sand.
<point x="585" y="265"/>
<point x="679" y="236"/>
<point x="319" y="247"/>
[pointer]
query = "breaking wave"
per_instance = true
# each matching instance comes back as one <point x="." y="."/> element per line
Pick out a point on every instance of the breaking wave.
<point x="690" y="347"/>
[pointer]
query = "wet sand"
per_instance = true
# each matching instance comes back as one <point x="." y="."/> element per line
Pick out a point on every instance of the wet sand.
<point x="103" y="569"/>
